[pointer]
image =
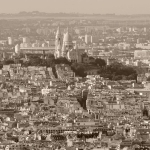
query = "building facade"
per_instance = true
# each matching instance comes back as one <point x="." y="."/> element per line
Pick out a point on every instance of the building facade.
<point x="66" y="48"/>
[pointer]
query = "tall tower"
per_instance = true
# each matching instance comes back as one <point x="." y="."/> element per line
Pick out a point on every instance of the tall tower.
<point x="58" y="43"/>
<point x="67" y="43"/>
<point x="17" y="49"/>
<point x="10" y="41"/>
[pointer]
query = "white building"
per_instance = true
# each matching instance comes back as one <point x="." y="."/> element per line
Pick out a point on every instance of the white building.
<point x="65" y="48"/>
<point x="26" y="40"/>
<point x="141" y="54"/>
<point x="87" y="39"/>
<point x="124" y="46"/>
<point x="143" y="45"/>
<point x="17" y="49"/>
<point x="10" y="41"/>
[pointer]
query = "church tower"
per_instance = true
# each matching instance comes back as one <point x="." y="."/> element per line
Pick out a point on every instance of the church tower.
<point x="58" y="43"/>
<point x="67" y="44"/>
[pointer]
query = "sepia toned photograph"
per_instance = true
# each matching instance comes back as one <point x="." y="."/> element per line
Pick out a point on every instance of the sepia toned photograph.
<point x="74" y="74"/>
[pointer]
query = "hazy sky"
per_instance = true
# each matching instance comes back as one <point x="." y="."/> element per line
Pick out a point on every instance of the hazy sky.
<point x="81" y="6"/>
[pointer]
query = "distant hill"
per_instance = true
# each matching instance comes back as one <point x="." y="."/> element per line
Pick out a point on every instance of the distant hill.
<point x="75" y="15"/>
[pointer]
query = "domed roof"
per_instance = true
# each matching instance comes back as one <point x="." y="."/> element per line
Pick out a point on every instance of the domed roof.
<point x="67" y="37"/>
<point x="17" y="45"/>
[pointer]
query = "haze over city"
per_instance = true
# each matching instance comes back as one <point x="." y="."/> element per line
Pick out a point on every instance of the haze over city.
<point x="75" y="75"/>
<point x="77" y="6"/>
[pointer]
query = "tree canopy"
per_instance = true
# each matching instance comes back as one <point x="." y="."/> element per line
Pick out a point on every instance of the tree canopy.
<point x="62" y="60"/>
<point x="8" y="62"/>
<point x="117" y="71"/>
<point x="148" y="79"/>
<point x="79" y="69"/>
<point x="100" y="62"/>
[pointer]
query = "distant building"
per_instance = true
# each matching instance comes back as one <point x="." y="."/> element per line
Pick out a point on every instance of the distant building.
<point x="141" y="78"/>
<point x="65" y="48"/>
<point x="3" y="42"/>
<point x="145" y="29"/>
<point x="37" y="50"/>
<point x="119" y="30"/>
<point x="17" y="49"/>
<point x="10" y="41"/>
<point x="138" y="63"/>
<point x="110" y="61"/>
<point x="34" y="48"/>
<point x="141" y="54"/>
<point x="26" y="40"/>
<point x="140" y="40"/>
<point x="94" y="39"/>
<point x="75" y="55"/>
<point x="123" y="46"/>
<point x="87" y="39"/>
<point x="85" y="58"/>
<point x="143" y="46"/>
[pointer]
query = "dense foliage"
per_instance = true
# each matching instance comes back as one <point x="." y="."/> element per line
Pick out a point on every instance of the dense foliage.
<point x="100" y="62"/>
<point x="115" y="71"/>
<point x="79" y="69"/>
<point x="148" y="79"/>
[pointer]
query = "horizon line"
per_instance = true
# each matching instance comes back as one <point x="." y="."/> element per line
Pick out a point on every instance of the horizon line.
<point x="115" y="14"/>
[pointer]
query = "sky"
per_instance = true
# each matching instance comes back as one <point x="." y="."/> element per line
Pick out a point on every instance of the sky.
<point x="77" y="6"/>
